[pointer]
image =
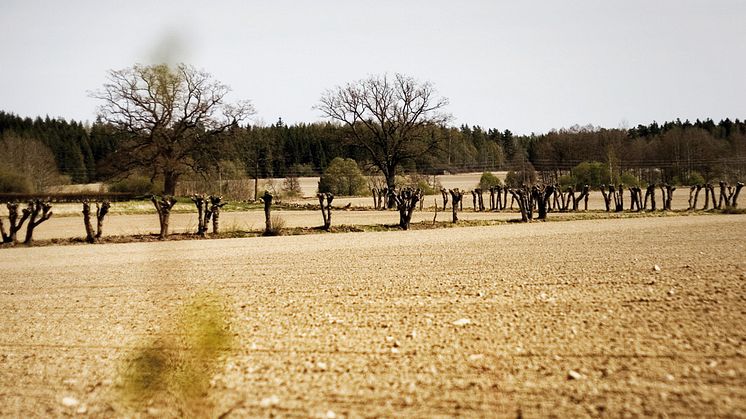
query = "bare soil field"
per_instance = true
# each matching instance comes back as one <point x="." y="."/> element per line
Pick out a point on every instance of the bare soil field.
<point x="627" y="317"/>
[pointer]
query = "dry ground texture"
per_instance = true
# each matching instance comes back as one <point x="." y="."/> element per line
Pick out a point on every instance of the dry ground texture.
<point x="568" y="319"/>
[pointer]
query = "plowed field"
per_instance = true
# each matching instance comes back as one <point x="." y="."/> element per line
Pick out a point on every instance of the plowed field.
<point x="610" y="317"/>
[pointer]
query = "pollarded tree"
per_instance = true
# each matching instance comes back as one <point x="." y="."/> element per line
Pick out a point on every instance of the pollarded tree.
<point x="390" y="117"/>
<point x="172" y="120"/>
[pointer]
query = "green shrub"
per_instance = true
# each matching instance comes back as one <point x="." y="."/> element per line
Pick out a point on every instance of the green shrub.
<point x="343" y="177"/>
<point x="591" y="173"/>
<point x="429" y="185"/>
<point x="140" y="185"/>
<point x="516" y="179"/>
<point x="629" y="179"/>
<point x="13" y="183"/>
<point x="566" y="180"/>
<point x="489" y="180"/>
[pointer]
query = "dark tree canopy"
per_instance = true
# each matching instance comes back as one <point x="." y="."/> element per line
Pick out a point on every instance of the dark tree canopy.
<point x="171" y="119"/>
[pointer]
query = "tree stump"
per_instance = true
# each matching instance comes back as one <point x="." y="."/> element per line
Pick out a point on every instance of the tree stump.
<point x="607" y="197"/>
<point x="267" y="198"/>
<point x="667" y="192"/>
<point x="101" y="211"/>
<point x="650" y="193"/>
<point x="456" y="198"/>
<point x="525" y="206"/>
<point x="40" y="211"/>
<point x="444" y="194"/>
<point x="163" y="206"/>
<point x="14" y="222"/>
<point x="203" y="213"/>
<point x="542" y="196"/>
<point x="216" y="202"/>
<point x="90" y="236"/>
<point x="734" y="195"/>
<point x="325" y="201"/>
<point x="406" y="201"/>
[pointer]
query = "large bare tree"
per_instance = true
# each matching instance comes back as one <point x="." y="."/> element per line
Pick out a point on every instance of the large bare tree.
<point x="389" y="117"/>
<point x="172" y="119"/>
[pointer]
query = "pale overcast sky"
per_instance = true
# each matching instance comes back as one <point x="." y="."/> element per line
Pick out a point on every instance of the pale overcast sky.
<point x="527" y="66"/>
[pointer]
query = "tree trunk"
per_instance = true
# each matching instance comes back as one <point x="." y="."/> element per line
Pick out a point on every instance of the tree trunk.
<point x="582" y="197"/>
<point x="723" y="199"/>
<point x="736" y="192"/>
<point x="650" y="193"/>
<point x="696" y="196"/>
<point x="216" y="202"/>
<point x="325" y="201"/>
<point x="521" y="195"/>
<point x="163" y="206"/>
<point x="456" y="197"/>
<point x="90" y="236"/>
<point x="14" y="223"/>
<point x="406" y="202"/>
<point x="543" y="197"/>
<point x="35" y="207"/>
<point x="267" y="213"/>
<point x="444" y="194"/>
<point x="201" y="204"/>
<point x="170" y="180"/>
<point x="101" y="212"/>
<point x="391" y="185"/>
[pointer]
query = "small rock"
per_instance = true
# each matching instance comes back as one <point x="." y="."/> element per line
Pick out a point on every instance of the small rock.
<point x="82" y="410"/>
<point x="321" y="366"/>
<point x="330" y="414"/>
<point x="480" y="294"/>
<point x="574" y="375"/>
<point x="657" y="268"/>
<point x="712" y="364"/>
<point x="476" y="357"/>
<point x="670" y="377"/>
<point x="462" y="322"/>
<point x="269" y="401"/>
<point x="394" y="350"/>
<point x="70" y="401"/>
<point x="412" y="334"/>
<point x="671" y="292"/>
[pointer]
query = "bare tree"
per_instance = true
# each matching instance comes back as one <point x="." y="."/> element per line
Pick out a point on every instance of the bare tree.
<point x="389" y="117"/>
<point x="171" y="119"/>
<point x="31" y="159"/>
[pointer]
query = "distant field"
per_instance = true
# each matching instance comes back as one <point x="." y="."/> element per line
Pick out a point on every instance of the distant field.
<point x="546" y="319"/>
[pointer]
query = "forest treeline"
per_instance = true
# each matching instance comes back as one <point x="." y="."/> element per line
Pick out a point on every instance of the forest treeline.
<point x="675" y="152"/>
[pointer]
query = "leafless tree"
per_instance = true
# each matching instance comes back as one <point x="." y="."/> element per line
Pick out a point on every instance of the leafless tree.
<point x="171" y="119"/>
<point x="31" y="159"/>
<point x="389" y="117"/>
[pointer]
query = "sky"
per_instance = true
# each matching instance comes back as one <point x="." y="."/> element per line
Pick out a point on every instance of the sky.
<point x="527" y="66"/>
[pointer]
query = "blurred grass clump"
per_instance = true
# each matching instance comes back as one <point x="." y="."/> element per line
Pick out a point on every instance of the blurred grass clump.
<point x="175" y="368"/>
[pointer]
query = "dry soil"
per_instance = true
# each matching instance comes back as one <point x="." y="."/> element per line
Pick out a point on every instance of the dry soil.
<point x="609" y="317"/>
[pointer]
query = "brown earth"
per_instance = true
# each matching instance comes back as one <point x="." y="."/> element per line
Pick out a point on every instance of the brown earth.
<point x="565" y="319"/>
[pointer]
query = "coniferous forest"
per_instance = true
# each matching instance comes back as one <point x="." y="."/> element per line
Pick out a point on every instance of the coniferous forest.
<point x="678" y="152"/>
